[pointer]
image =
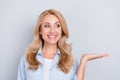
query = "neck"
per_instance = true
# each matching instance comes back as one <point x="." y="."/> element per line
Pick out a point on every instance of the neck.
<point x="49" y="51"/>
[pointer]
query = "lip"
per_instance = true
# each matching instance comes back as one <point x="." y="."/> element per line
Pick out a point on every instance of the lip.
<point x="52" y="36"/>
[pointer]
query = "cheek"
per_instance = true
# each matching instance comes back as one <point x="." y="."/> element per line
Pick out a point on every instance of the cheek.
<point x="41" y="32"/>
<point x="59" y="31"/>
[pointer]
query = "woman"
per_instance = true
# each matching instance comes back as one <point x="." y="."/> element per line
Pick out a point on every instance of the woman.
<point x="49" y="57"/>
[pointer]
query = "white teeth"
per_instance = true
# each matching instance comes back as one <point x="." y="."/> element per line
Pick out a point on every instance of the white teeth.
<point x="51" y="37"/>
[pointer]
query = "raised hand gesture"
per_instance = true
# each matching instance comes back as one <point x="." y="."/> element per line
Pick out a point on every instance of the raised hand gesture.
<point x="85" y="58"/>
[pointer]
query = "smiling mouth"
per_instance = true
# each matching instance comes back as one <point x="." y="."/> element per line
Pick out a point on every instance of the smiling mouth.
<point x="52" y="36"/>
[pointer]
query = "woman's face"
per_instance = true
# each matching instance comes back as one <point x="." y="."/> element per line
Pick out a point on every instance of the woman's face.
<point x="50" y="29"/>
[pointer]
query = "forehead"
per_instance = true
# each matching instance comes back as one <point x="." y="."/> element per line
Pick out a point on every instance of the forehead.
<point x="50" y="18"/>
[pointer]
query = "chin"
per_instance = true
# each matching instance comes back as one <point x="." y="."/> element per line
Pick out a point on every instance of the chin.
<point x="52" y="42"/>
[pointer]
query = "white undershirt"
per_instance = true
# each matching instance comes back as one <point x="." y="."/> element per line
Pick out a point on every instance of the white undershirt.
<point x="47" y="64"/>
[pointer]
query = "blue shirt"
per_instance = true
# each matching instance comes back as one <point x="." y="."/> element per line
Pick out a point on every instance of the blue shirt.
<point x="55" y="73"/>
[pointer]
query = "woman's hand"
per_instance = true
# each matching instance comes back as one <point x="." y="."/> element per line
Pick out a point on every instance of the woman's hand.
<point x="85" y="58"/>
<point x="88" y="57"/>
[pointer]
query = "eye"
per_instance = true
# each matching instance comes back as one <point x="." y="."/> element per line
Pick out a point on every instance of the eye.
<point x="46" y="26"/>
<point x="58" y="25"/>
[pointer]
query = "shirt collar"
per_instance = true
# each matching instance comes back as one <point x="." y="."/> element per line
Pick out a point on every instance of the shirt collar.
<point x="40" y="58"/>
<point x="40" y="52"/>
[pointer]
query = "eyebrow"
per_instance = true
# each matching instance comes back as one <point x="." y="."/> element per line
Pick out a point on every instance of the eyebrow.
<point x="49" y="23"/>
<point x="57" y="22"/>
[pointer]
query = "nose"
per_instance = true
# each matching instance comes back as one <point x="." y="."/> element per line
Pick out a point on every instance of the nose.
<point x="52" y="29"/>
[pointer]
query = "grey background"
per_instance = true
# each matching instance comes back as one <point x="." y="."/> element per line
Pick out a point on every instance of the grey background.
<point x="94" y="27"/>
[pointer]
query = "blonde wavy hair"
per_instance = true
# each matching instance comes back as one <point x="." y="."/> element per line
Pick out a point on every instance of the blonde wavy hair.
<point x="66" y="60"/>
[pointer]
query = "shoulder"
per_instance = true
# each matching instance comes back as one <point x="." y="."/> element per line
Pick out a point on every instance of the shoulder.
<point x="23" y="61"/>
<point x="23" y="58"/>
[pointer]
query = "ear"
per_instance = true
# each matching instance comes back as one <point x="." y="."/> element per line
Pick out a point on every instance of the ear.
<point x="40" y="32"/>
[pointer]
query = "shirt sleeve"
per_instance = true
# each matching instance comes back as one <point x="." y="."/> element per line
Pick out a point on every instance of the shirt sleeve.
<point x="21" y="69"/>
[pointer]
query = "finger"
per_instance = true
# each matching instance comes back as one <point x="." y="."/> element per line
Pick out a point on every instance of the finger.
<point x="101" y="55"/>
<point x="104" y="55"/>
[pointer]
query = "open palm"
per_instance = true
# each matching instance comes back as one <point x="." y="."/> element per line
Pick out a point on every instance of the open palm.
<point x="88" y="57"/>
